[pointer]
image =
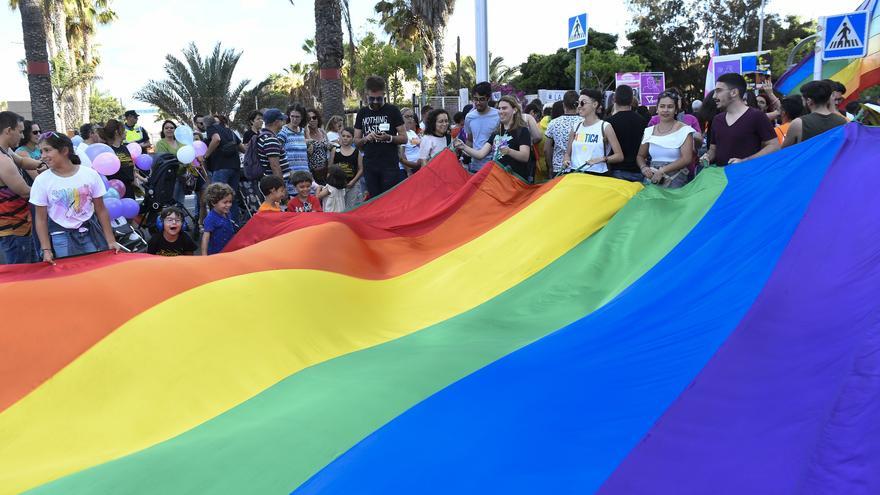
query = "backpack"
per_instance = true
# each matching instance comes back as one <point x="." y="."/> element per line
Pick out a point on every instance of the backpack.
<point x="251" y="161"/>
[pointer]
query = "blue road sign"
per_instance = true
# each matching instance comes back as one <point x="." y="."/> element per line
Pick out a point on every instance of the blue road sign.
<point x="845" y="35"/>
<point x="577" y="31"/>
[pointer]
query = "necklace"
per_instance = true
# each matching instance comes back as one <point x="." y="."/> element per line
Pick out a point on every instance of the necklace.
<point x="666" y="131"/>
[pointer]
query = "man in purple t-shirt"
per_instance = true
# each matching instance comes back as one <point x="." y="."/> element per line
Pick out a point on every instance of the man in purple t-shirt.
<point x="739" y="133"/>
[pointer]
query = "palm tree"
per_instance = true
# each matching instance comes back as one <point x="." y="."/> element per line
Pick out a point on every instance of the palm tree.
<point x="195" y="85"/>
<point x="328" y="49"/>
<point x="435" y="14"/>
<point x="498" y="72"/>
<point x="83" y="16"/>
<point x="39" y="82"/>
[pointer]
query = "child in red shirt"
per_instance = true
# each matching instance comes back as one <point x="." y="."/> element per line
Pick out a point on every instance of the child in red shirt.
<point x="304" y="201"/>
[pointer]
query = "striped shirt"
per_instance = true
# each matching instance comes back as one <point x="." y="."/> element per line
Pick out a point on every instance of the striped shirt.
<point x="15" y="217"/>
<point x="295" y="148"/>
<point x="269" y="146"/>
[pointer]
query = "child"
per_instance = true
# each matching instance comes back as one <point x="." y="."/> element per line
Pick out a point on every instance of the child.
<point x="218" y="226"/>
<point x="303" y="202"/>
<point x="172" y="241"/>
<point x="333" y="194"/>
<point x="274" y="191"/>
<point x="352" y="162"/>
<point x="71" y="218"/>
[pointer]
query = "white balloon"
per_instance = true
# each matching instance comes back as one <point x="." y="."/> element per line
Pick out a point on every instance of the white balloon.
<point x="186" y="154"/>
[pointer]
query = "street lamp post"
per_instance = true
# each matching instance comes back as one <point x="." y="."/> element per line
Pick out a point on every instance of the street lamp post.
<point x="761" y="29"/>
<point x="482" y="41"/>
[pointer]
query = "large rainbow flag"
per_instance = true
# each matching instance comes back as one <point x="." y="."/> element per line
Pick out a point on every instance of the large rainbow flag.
<point x="472" y="334"/>
<point x="856" y="74"/>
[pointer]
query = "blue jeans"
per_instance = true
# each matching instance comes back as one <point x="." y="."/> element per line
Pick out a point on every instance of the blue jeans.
<point x="231" y="177"/>
<point x="71" y="243"/>
<point x="630" y="176"/>
<point x="17" y="249"/>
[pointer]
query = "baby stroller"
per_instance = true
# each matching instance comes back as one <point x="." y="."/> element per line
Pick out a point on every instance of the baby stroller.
<point x="160" y="193"/>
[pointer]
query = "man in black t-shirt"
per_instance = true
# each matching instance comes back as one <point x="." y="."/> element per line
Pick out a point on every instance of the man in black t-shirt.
<point x="223" y="156"/>
<point x="378" y="131"/>
<point x="629" y="127"/>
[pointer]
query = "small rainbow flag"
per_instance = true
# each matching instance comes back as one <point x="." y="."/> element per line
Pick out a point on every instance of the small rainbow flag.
<point x="857" y="74"/>
<point x="473" y="334"/>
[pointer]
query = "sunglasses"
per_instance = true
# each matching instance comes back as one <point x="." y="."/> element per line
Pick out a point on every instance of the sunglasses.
<point x="481" y="98"/>
<point x="312" y="117"/>
<point x="377" y="99"/>
<point x="583" y="102"/>
<point x="36" y="133"/>
<point x="48" y="134"/>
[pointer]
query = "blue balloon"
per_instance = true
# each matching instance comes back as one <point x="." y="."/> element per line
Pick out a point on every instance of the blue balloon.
<point x="96" y="149"/>
<point x="111" y="193"/>
<point x="130" y="208"/>
<point x="77" y="140"/>
<point x="114" y="208"/>
<point x="184" y="134"/>
<point x="105" y="181"/>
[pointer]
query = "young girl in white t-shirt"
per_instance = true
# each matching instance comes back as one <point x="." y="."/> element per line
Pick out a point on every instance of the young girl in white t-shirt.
<point x="436" y="138"/>
<point x="332" y="195"/>
<point x="71" y="218"/>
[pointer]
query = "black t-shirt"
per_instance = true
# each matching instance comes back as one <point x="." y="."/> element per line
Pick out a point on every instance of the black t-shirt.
<point x="225" y="157"/>
<point x="126" y="169"/>
<point x="514" y="140"/>
<point x="184" y="245"/>
<point x="248" y="134"/>
<point x="629" y="127"/>
<point x="379" y="155"/>
<point x="349" y="164"/>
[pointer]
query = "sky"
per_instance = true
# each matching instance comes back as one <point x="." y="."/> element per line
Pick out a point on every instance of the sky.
<point x="270" y="34"/>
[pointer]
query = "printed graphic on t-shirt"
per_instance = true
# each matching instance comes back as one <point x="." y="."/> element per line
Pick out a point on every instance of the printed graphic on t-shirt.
<point x="499" y="141"/>
<point x="74" y="203"/>
<point x="372" y="123"/>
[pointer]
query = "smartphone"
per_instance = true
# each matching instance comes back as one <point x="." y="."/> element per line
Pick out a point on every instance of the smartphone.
<point x="384" y="128"/>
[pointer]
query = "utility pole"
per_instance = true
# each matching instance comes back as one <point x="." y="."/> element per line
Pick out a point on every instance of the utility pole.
<point x="482" y="41"/>
<point x="761" y="29"/>
<point x="458" y="60"/>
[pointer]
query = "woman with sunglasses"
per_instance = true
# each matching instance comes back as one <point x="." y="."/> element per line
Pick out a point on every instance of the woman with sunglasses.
<point x="409" y="152"/>
<point x="317" y="145"/>
<point x="71" y="218"/>
<point x="591" y="140"/>
<point x="511" y="143"/>
<point x="168" y="143"/>
<point x="669" y="145"/>
<point x="29" y="145"/>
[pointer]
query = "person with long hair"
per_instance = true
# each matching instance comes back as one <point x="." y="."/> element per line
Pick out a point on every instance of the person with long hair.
<point x="317" y="145"/>
<point x="167" y="142"/>
<point x="30" y="140"/>
<point x="351" y="161"/>
<point x="591" y="139"/>
<point x="114" y="135"/>
<point x="293" y="136"/>
<point x="409" y="152"/>
<point x="511" y="143"/>
<point x="436" y="137"/>
<point x="334" y="128"/>
<point x="71" y="218"/>
<point x="669" y="145"/>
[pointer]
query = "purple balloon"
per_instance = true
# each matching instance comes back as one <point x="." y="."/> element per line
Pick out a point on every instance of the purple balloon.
<point x="105" y="181"/>
<point x="130" y="208"/>
<point x="200" y="147"/>
<point x="114" y="207"/>
<point x="119" y="186"/>
<point x="96" y="149"/>
<point x="144" y="162"/>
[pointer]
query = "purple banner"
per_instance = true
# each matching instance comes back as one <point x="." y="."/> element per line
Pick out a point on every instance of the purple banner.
<point x="726" y="66"/>
<point x="652" y="84"/>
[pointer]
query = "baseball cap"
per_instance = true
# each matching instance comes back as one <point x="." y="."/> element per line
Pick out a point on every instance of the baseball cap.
<point x="272" y="115"/>
<point x="131" y="113"/>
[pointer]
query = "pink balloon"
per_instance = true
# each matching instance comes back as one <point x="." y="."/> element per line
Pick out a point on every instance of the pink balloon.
<point x="135" y="150"/>
<point x="144" y="162"/>
<point x="106" y="163"/>
<point x="200" y="147"/>
<point x="119" y="186"/>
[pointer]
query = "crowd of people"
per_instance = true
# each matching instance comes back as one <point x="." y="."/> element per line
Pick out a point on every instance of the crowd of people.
<point x="52" y="207"/>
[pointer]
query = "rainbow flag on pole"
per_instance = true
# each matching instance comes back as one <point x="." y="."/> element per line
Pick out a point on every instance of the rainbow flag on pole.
<point x="856" y="74"/>
<point x="473" y="334"/>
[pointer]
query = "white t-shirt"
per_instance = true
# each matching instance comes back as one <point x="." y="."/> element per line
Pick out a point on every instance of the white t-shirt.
<point x="335" y="202"/>
<point x="333" y="137"/>
<point x="68" y="199"/>
<point x="665" y="149"/>
<point x="411" y="148"/>
<point x="589" y="144"/>
<point x="431" y="146"/>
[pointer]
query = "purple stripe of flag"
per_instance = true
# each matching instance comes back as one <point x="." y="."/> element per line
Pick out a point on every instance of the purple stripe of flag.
<point x="791" y="401"/>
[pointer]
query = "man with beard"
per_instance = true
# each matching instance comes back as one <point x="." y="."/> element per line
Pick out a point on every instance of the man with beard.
<point x="739" y="133"/>
<point x="378" y="131"/>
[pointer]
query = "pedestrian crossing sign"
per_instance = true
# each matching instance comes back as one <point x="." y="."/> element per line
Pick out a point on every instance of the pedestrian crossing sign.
<point x="577" y="31"/>
<point x="844" y="36"/>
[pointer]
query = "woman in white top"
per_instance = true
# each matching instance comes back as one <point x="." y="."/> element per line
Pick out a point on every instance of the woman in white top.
<point x="409" y="152"/>
<point x="436" y="137"/>
<point x="670" y="147"/>
<point x="591" y="140"/>
<point x="334" y="128"/>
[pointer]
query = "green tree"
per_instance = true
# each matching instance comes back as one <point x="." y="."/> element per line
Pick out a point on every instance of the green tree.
<point x="599" y="68"/>
<point x="435" y="14"/>
<point x="546" y="72"/>
<point x="103" y="107"/>
<point x="395" y="64"/>
<point x="498" y="72"/>
<point x="196" y="85"/>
